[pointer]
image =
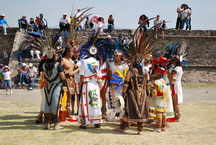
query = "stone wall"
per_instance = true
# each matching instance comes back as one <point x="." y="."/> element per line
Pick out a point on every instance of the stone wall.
<point x="201" y="50"/>
<point x="6" y="45"/>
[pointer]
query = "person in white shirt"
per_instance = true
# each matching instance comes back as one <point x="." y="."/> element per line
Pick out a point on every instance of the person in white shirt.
<point x="184" y="15"/>
<point x="7" y="80"/>
<point x="32" y="74"/>
<point x="64" y="23"/>
<point x="157" y="22"/>
<point x="100" y="26"/>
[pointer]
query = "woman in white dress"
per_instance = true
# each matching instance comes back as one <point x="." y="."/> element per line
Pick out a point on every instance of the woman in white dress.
<point x="178" y="85"/>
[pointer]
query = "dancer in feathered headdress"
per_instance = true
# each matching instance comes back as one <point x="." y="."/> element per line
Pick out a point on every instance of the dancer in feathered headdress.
<point x="135" y="83"/>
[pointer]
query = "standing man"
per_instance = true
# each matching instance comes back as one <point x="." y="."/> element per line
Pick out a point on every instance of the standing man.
<point x="90" y="101"/>
<point x="70" y="70"/>
<point x="3" y="23"/>
<point x="178" y="21"/>
<point x="110" y="23"/>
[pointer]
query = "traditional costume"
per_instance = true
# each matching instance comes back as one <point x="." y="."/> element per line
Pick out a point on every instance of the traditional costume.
<point x="90" y="101"/>
<point x="135" y="98"/>
<point x="53" y="90"/>
<point x="178" y="84"/>
<point x="115" y="98"/>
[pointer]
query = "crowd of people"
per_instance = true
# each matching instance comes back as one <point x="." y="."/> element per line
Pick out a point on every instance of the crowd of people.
<point x="109" y="86"/>
<point x="95" y="23"/>
<point x="39" y="24"/>
<point x="102" y="79"/>
<point x="27" y="77"/>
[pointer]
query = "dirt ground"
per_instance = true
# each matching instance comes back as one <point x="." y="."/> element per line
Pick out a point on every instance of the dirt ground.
<point x="17" y="127"/>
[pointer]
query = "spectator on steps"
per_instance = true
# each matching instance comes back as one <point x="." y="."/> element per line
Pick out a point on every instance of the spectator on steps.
<point x="110" y="24"/>
<point x="3" y="23"/>
<point x="23" y="24"/>
<point x="32" y="75"/>
<point x="87" y="24"/>
<point x="41" y="23"/>
<point x="188" y="21"/>
<point x="32" y="26"/>
<point x="35" y="53"/>
<point x="64" y="26"/>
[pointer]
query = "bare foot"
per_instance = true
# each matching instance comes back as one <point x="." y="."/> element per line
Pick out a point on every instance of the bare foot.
<point x="139" y="133"/>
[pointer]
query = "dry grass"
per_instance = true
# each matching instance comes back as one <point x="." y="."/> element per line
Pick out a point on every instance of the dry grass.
<point x="17" y="127"/>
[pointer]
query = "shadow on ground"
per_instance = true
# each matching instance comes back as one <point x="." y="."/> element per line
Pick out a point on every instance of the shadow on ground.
<point x="20" y="122"/>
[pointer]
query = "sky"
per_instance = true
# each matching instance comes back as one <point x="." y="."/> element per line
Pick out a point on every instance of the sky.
<point x="125" y="12"/>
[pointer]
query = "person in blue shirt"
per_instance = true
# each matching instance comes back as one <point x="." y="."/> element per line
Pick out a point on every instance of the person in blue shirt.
<point x="23" y="23"/>
<point x="3" y="23"/>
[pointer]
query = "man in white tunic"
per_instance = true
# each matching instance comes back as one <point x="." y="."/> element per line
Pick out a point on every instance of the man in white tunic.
<point x="90" y="101"/>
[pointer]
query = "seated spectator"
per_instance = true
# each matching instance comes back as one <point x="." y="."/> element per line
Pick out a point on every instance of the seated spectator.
<point x="3" y="23"/>
<point x="157" y="23"/>
<point x="64" y="23"/>
<point x="32" y="26"/>
<point x="22" y="76"/>
<point x="23" y="23"/>
<point x="32" y="75"/>
<point x="64" y="26"/>
<point x="41" y="23"/>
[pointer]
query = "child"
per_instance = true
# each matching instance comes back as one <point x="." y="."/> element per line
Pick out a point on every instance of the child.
<point x="7" y="80"/>
<point x="159" y="99"/>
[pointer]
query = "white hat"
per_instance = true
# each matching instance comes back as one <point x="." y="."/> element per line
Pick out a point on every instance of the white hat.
<point x="93" y="50"/>
<point x="64" y="14"/>
<point x="6" y="67"/>
<point x="30" y="65"/>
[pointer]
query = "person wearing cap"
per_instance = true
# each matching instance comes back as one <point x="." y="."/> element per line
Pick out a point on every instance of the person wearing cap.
<point x="90" y="101"/>
<point x="3" y="23"/>
<point x="7" y="80"/>
<point x="118" y="70"/>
